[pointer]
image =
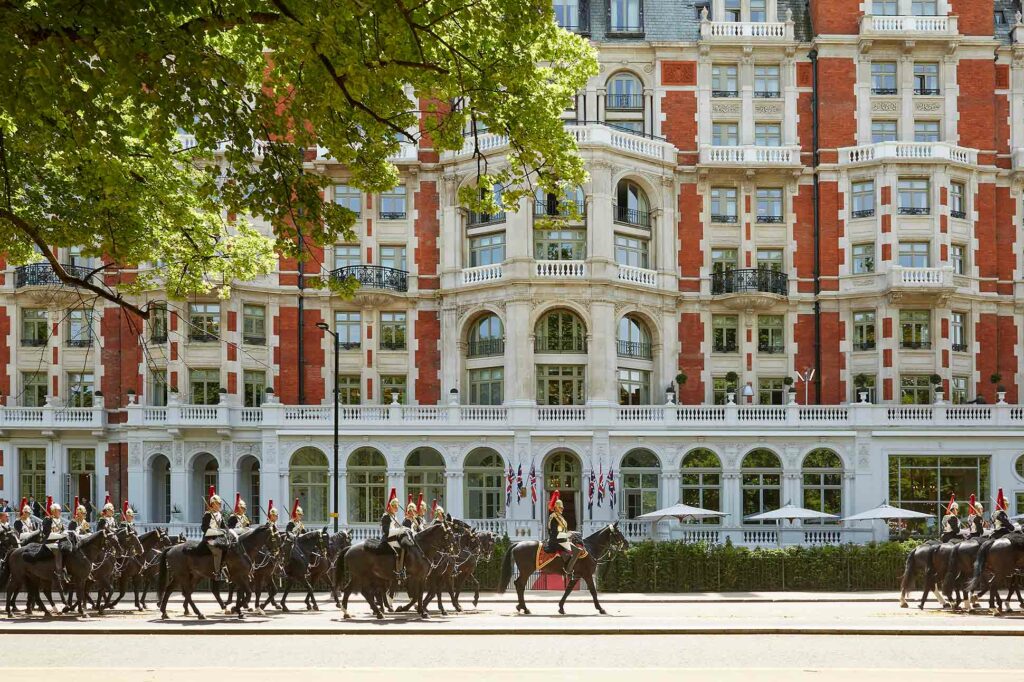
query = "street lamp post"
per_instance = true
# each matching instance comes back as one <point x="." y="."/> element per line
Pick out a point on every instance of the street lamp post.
<point x="322" y="326"/>
<point x="806" y="378"/>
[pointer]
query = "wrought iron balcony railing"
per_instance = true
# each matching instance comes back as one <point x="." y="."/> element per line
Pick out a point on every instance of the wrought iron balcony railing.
<point x="374" y="277"/>
<point x="482" y="348"/>
<point x="749" y="280"/>
<point x="560" y="344"/>
<point x="42" y="274"/>
<point x="634" y="349"/>
<point x="632" y="216"/>
<point x="623" y="102"/>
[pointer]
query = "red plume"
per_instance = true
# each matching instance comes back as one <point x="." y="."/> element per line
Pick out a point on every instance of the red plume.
<point x="419" y="502"/>
<point x="1000" y="501"/>
<point x="270" y="505"/>
<point x="971" y="509"/>
<point x="410" y="499"/>
<point x="106" y="500"/>
<point x="433" y="507"/>
<point x="295" y="507"/>
<point x="555" y="496"/>
<point x="124" y="510"/>
<point x="952" y="499"/>
<point x="74" y="509"/>
<point x="238" y="498"/>
<point x="24" y="503"/>
<point x="49" y="503"/>
<point x="210" y="492"/>
<point x="391" y="498"/>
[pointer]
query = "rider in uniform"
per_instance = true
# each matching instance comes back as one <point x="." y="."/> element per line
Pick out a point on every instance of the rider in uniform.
<point x="25" y="525"/>
<point x="295" y="525"/>
<point x="558" y="533"/>
<point x="421" y="514"/>
<point x="391" y="530"/>
<point x="238" y="521"/>
<point x="53" y="532"/>
<point x="5" y="521"/>
<point x="79" y="524"/>
<point x="410" y="515"/>
<point x="272" y="515"/>
<point x="106" y="520"/>
<point x="975" y="517"/>
<point x="213" y="530"/>
<point x="436" y="513"/>
<point x="128" y="517"/>
<point x="951" y="521"/>
<point x="1001" y="523"/>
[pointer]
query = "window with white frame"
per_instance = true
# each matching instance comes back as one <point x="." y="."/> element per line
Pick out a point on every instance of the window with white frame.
<point x="634" y="386"/>
<point x="723" y="205"/>
<point x="914" y="254"/>
<point x="204" y="321"/>
<point x="926" y="78"/>
<point x="915" y="329"/>
<point x="769" y="205"/>
<point x="958" y="331"/>
<point x="885" y="8"/>
<point x="883" y="131"/>
<point x="347" y="255"/>
<point x="392" y="330"/>
<point x="926" y="131"/>
<point x="701" y="481"/>
<point x="957" y="200"/>
<point x="759" y="10"/>
<point x="724" y="80"/>
<point x="863" y="193"/>
<point x="79" y="328"/>
<point x="349" y="197"/>
<point x="204" y="386"/>
<point x="883" y="78"/>
<point x="487" y="386"/>
<point x="766" y="81"/>
<point x="33" y="389"/>
<point x="158" y="324"/>
<point x="625" y="93"/>
<point x="915" y="389"/>
<point x="158" y="387"/>
<point x="80" y="389"/>
<point x="559" y="244"/>
<point x="863" y="258"/>
<point x="768" y="135"/>
<point x="958" y="392"/>
<point x="771" y="334"/>
<point x="958" y="258"/>
<point x="393" y="384"/>
<point x="631" y="251"/>
<point x="769" y="259"/>
<point x="924" y="8"/>
<point x="720" y="388"/>
<point x="725" y="134"/>
<point x="254" y="325"/>
<point x="561" y="384"/>
<point x="864" y="330"/>
<point x="723" y="260"/>
<point x="771" y="391"/>
<point x="393" y="257"/>
<point x="487" y="250"/>
<point x="349" y="392"/>
<point x="864" y="383"/>
<point x="392" y="204"/>
<point x="914" y="196"/>
<point x="625" y="16"/>
<point x="349" y="328"/>
<point x="35" y="327"/>
<point x="641" y="474"/>
<point x="254" y="387"/>
<point x="733" y="10"/>
<point x="725" y="333"/>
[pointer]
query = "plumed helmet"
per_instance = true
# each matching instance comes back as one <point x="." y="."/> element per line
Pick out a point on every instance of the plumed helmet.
<point x="1000" y="501"/>
<point x="238" y="503"/>
<point x="392" y="500"/>
<point x="556" y="497"/>
<point x="438" y="512"/>
<point x="296" y="509"/>
<point x="980" y="508"/>
<point x="971" y="507"/>
<point x="25" y="509"/>
<point x="214" y="498"/>
<point x="107" y="504"/>
<point x="127" y="511"/>
<point x="74" y="506"/>
<point x="271" y="509"/>
<point x="49" y="502"/>
<point x="421" y="504"/>
<point x="433" y="507"/>
<point x="952" y="507"/>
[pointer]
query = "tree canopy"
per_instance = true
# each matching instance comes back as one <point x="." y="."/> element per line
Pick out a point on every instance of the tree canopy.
<point x="100" y="94"/>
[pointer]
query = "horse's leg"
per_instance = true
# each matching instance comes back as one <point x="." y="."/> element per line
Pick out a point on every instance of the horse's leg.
<point x="565" y="595"/>
<point x="589" y="579"/>
<point x="346" y="591"/>
<point x="310" y="597"/>
<point x="369" y="597"/>
<point x="284" y="595"/>
<point x="520" y="590"/>
<point x="476" y="590"/>
<point x="929" y="583"/>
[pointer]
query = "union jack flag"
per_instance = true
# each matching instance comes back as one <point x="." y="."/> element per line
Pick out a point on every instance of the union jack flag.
<point x="600" y="487"/>
<point x="519" y="484"/>
<point x="611" y="487"/>
<point x="590" y="492"/>
<point x="508" y="486"/>
<point x="533" y="483"/>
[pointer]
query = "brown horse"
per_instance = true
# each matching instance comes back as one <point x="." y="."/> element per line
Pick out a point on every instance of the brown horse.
<point x="608" y="539"/>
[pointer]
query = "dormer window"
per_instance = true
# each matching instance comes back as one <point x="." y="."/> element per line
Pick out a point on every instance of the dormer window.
<point x="625" y="16"/>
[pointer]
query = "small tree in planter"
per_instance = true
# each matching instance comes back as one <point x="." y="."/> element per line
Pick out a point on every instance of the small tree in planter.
<point x="790" y="394"/>
<point x="680" y="381"/>
<point x="731" y="379"/>
<point x="861" y="382"/>
<point x="936" y="382"/>
<point x="1000" y="389"/>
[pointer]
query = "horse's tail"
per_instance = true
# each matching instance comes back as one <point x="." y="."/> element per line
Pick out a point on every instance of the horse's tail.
<point x="506" y="570"/>
<point x="952" y="572"/>
<point x="5" y="572"/>
<point x="908" y="573"/>
<point x="979" y="567"/>
<point x="161" y="582"/>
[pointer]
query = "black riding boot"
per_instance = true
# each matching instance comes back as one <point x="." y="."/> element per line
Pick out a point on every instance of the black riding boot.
<point x="572" y="561"/>
<point x="401" y="565"/>
<point x="58" y="567"/>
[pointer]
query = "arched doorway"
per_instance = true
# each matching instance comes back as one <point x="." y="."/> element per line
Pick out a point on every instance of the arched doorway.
<point x="367" y="485"/>
<point x="822" y="474"/>
<point x="485" y="493"/>
<point x="641" y="476"/>
<point x="160" y="490"/>
<point x="424" y="473"/>
<point x="563" y="472"/>
<point x="761" y="479"/>
<point x="701" y="482"/>
<point x="248" y="485"/>
<point x="204" y="474"/>
<point x="308" y="477"/>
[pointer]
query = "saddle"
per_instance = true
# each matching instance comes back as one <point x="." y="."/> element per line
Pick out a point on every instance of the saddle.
<point x="544" y="558"/>
<point x="196" y="548"/>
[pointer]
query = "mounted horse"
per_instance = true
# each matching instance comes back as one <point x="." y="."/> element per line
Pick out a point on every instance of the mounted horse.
<point x="307" y="550"/>
<point x="426" y="569"/>
<point x="29" y="568"/>
<point x="475" y="546"/>
<point x="91" y="550"/>
<point x="141" y="567"/>
<point x="371" y="570"/>
<point x="998" y="564"/>
<point x="529" y="556"/>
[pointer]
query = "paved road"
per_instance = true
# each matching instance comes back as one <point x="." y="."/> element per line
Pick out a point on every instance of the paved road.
<point x="633" y="636"/>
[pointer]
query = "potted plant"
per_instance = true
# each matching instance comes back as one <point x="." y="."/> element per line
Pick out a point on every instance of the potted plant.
<point x="131" y="396"/>
<point x="861" y="382"/>
<point x="731" y="378"/>
<point x="453" y="396"/>
<point x="936" y="382"/>
<point x="790" y="393"/>
<point x="670" y="394"/>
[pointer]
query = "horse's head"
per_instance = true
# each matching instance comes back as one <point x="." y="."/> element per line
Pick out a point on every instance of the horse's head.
<point x="617" y="541"/>
<point x="339" y="542"/>
<point x="486" y="541"/>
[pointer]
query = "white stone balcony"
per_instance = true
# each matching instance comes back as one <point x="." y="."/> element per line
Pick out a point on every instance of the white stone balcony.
<point x="480" y="274"/>
<point x="560" y="269"/>
<point x="909" y="27"/>
<point x="650" y="419"/>
<point x="51" y="418"/>
<point x="588" y="136"/>
<point x="915" y="152"/>
<point x="920" y="284"/>
<point x="640" y="276"/>
<point x="746" y="31"/>
<point x="745" y="156"/>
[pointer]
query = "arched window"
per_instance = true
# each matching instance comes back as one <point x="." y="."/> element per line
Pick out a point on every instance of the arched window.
<point x="631" y="205"/>
<point x="424" y="473"/>
<point x="702" y="481"/>
<point x="308" y="476"/>
<point x="487" y="337"/>
<point x="478" y="219"/>
<point x="248" y="469"/>
<point x="204" y="474"/>
<point x="367" y="483"/>
<point x="634" y="341"/>
<point x="641" y="473"/>
<point x="823" y="482"/>
<point x="569" y="202"/>
<point x="485" y="491"/>
<point x="160" y="499"/>
<point x="562" y="472"/>
<point x="761" y="482"/>
<point x="560" y="331"/>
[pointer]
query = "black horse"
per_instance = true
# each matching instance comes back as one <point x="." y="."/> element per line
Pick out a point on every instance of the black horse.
<point x="138" y="568"/>
<point x="919" y="561"/>
<point x="371" y="571"/>
<point x="608" y="539"/>
<point x="997" y="564"/>
<point x="475" y="546"/>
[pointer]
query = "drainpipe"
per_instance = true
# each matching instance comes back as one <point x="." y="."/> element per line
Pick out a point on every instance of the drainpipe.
<point x="815" y="160"/>
<point x="299" y="324"/>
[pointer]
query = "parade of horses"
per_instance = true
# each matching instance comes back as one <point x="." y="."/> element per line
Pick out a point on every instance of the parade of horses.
<point x="57" y="566"/>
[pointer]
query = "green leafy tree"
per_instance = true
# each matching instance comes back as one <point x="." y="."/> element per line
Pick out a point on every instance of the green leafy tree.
<point x="100" y="94"/>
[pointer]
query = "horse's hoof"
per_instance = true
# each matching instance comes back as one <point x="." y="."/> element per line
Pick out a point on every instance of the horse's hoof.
<point x="602" y="612"/>
<point x="561" y="611"/>
<point x="425" y="616"/>
<point x="164" y="616"/>
<point x="526" y="611"/>
<point x="315" y="607"/>
<point x="347" y="616"/>
<point x="458" y="609"/>
<point x="380" y="616"/>
<point x="904" y="605"/>
<point x="201" y="617"/>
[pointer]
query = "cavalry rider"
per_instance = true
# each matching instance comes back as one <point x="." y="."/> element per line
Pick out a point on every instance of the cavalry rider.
<point x="1000" y="519"/>
<point x="272" y="515"/>
<point x="213" y="530"/>
<point x="558" y="533"/>
<point x="437" y="513"/>
<point x="295" y="525"/>
<point x="421" y="514"/>
<point x="128" y="517"/>
<point x="79" y="524"/>
<point x="238" y="521"/>
<point x="53" y="532"/>
<point x="5" y="521"/>
<point x="951" y="521"/>
<point x="975" y="517"/>
<point x="25" y="525"/>
<point x="106" y="520"/>
<point x="410" y="515"/>
<point x="391" y="531"/>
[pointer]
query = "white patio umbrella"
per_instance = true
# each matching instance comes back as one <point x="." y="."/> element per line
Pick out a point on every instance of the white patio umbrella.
<point x="791" y="512"/>
<point x="1018" y="517"/>
<point x="682" y="512"/>
<point x="886" y="511"/>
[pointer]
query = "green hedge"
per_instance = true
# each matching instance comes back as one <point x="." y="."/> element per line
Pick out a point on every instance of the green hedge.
<point x="686" y="567"/>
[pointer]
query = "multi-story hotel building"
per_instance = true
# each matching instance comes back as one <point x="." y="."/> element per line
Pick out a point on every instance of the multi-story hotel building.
<point x="777" y="188"/>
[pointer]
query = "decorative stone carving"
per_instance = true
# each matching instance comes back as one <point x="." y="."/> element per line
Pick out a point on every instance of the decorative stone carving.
<point x="725" y="108"/>
<point x="928" y="105"/>
<point x="768" y="108"/>
<point x="886" y="106"/>
<point x="151" y="448"/>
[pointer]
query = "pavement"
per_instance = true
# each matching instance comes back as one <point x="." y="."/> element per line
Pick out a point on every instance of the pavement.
<point x="722" y="637"/>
